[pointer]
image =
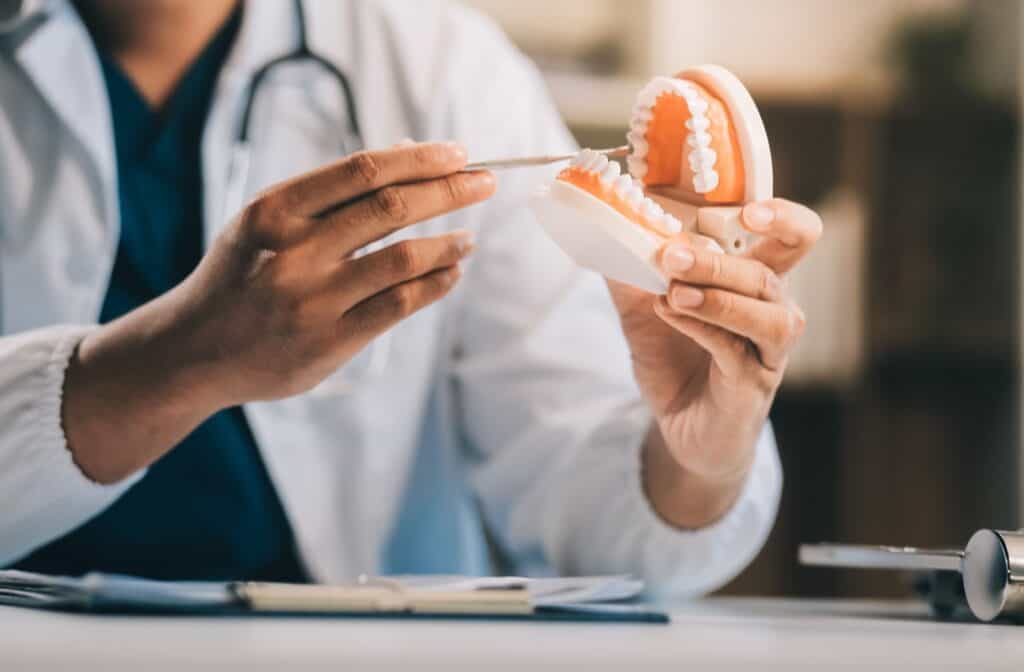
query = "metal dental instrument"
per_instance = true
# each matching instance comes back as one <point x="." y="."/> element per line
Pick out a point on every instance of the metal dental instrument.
<point x="526" y="161"/>
<point x="992" y="567"/>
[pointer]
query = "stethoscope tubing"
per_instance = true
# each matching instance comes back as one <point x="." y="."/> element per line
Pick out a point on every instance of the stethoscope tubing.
<point x="240" y="162"/>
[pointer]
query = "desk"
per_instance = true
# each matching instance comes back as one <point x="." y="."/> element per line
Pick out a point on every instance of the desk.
<point x="728" y="633"/>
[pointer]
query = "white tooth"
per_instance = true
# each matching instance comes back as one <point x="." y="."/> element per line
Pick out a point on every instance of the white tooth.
<point x="683" y="87"/>
<point x="698" y="140"/>
<point x="610" y="172"/>
<point x="702" y="159"/>
<point x="600" y="164"/>
<point x="671" y="224"/>
<point x="642" y="115"/>
<point x="649" y="91"/>
<point x="641" y="112"/>
<point x="660" y="85"/>
<point x="592" y="160"/>
<point x="698" y="106"/>
<point x="651" y="210"/>
<point x="637" y="166"/>
<point x="622" y="185"/>
<point x="664" y="83"/>
<point x="635" y="197"/>
<point x="647" y="97"/>
<point x="640" y="146"/>
<point x="638" y="126"/>
<point x="705" y="182"/>
<point x="698" y="124"/>
<point x="577" y="160"/>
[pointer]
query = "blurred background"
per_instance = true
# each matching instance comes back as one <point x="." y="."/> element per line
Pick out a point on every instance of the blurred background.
<point x="899" y="121"/>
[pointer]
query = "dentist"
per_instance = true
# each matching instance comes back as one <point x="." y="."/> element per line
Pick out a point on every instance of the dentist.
<point x="372" y="362"/>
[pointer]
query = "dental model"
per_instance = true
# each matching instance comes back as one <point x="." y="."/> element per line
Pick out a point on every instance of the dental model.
<point x="699" y="152"/>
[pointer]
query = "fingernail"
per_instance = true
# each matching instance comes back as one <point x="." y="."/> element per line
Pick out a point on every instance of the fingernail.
<point x="678" y="259"/>
<point x="686" y="297"/>
<point x="463" y="242"/>
<point x="482" y="180"/>
<point x="458" y="152"/>
<point x="758" y="217"/>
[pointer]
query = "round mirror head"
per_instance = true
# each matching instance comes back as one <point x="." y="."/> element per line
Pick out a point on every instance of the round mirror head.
<point x="986" y="573"/>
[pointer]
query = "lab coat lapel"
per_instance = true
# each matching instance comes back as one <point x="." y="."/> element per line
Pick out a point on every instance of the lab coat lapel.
<point x="290" y="433"/>
<point x="267" y="31"/>
<point x="60" y="59"/>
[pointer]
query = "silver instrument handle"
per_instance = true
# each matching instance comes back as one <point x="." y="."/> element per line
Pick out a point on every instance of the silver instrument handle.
<point x="526" y="161"/>
<point x="881" y="557"/>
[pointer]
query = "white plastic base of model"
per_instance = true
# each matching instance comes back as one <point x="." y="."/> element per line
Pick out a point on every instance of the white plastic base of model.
<point x="597" y="237"/>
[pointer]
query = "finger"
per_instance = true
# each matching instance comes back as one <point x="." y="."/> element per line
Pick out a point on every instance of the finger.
<point x="360" y="173"/>
<point x="730" y="353"/>
<point x="405" y="260"/>
<point x="790" y="230"/>
<point x="701" y="241"/>
<point x="386" y="309"/>
<point x="772" y="327"/>
<point x="702" y="266"/>
<point x="383" y="212"/>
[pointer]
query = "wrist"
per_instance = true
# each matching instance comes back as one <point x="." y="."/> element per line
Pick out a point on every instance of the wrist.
<point x="153" y="349"/>
<point x="685" y="498"/>
<point x="130" y="394"/>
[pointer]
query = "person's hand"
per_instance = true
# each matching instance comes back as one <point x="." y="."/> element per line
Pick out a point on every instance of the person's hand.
<point x="710" y="354"/>
<point x="280" y="301"/>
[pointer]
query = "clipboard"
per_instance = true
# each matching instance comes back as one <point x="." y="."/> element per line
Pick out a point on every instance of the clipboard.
<point x="588" y="599"/>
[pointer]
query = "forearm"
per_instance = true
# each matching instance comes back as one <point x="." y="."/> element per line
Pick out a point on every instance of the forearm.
<point x="683" y="498"/>
<point x="129" y="395"/>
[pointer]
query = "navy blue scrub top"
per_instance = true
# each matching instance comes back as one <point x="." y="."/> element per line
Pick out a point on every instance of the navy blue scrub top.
<point x="207" y="509"/>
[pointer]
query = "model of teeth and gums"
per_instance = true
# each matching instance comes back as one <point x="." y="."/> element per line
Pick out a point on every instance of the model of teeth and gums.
<point x="693" y="247"/>
<point x="698" y="153"/>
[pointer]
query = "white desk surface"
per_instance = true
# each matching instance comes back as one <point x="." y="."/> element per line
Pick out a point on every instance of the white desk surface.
<point x="724" y="633"/>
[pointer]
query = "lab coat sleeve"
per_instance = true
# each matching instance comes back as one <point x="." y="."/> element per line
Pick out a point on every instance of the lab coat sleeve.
<point x="551" y="413"/>
<point x="43" y="494"/>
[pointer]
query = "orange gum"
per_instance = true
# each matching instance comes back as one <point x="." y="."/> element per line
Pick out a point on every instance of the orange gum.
<point x="666" y="138"/>
<point x="590" y="182"/>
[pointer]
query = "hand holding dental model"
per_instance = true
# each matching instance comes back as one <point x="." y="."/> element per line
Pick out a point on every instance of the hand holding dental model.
<point x="710" y="332"/>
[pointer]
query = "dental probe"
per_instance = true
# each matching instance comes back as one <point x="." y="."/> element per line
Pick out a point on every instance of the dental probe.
<point x="522" y="162"/>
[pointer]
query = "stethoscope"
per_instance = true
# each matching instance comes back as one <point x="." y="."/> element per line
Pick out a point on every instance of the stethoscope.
<point x="371" y="363"/>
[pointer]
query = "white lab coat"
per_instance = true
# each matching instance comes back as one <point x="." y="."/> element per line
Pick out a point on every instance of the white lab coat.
<point x="515" y="392"/>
